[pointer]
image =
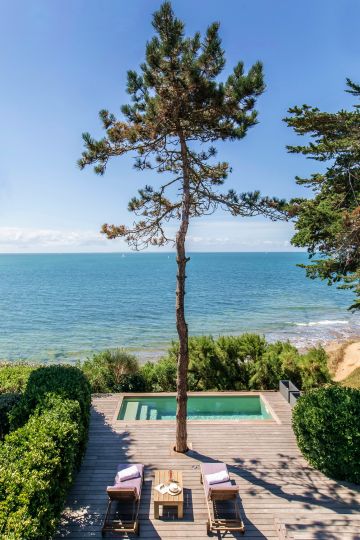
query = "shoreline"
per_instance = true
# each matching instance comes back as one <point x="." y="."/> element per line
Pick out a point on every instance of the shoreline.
<point x="343" y="352"/>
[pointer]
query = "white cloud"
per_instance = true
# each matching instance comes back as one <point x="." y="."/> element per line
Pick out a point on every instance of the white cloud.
<point x="13" y="239"/>
<point x="240" y="235"/>
<point x="229" y="235"/>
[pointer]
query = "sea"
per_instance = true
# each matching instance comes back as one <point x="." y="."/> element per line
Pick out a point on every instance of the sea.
<point x="66" y="307"/>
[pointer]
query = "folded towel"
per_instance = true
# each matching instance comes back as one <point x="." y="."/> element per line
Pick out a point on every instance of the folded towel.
<point x="218" y="477"/>
<point x="127" y="474"/>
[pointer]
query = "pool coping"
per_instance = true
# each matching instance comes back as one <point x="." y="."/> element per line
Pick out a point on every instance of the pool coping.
<point x="274" y="417"/>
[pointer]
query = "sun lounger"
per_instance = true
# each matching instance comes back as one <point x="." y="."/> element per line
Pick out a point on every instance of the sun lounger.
<point x="221" y="518"/>
<point x="126" y="494"/>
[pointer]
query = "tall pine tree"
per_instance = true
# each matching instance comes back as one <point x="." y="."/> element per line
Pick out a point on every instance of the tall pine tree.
<point x="328" y="223"/>
<point x="178" y="109"/>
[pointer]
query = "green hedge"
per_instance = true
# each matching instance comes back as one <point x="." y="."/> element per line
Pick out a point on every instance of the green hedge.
<point x="7" y="403"/>
<point x="14" y="377"/>
<point x="65" y="381"/>
<point x="39" y="457"/>
<point x="37" y="466"/>
<point x="327" y="429"/>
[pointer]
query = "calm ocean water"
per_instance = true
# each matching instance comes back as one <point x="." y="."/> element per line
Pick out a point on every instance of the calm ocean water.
<point x="64" y="307"/>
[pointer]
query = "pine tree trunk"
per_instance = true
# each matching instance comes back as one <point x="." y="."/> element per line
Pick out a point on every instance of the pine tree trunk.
<point x="182" y="329"/>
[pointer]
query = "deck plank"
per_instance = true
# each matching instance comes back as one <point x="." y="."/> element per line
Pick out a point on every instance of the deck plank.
<point x="276" y="483"/>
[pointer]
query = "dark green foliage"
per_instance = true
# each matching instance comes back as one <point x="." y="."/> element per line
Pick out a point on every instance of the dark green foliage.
<point x="245" y="362"/>
<point x="272" y="366"/>
<point x="13" y="377"/>
<point x="160" y="376"/>
<point x="327" y="429"/>
<point x="37" y="466"/>
<point x="113" y="371"/>
<point x="328" y="222"/>
<point x="248" y="362"/>
<point x="134" y="382"/>
<point x="7" y="402"/>
<point x="67" y="382"/>
<point x="313" y="368"/>
<point x="221" y="364"/>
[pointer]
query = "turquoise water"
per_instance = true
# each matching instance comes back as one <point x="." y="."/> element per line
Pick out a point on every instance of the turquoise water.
<point x="199" y="408"/>
<point x="64" y="307"/>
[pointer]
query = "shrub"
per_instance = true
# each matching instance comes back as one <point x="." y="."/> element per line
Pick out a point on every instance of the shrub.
<point x="228" y="363"/>
<point x="14" y="377"/>
<point x="314" y="368"/>
<point x="221" y="364"/>
<point x="160" y="376"/>
<point x="249" y="362"/>
<point x="134" y="382"/>
<point x="7" y="402"/>
<point x="109" y="370"/>
<point x="37" y="465"/>
<point x="326" y="425"/>
<point x="268" y="369"/>
<point x="67" y="382"/>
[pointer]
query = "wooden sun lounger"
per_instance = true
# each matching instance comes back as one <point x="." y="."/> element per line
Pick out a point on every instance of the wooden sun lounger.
<point x="225" y="491"/>
<point x="128" y="492"/>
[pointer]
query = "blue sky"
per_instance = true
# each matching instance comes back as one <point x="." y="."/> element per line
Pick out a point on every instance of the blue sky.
<point x="61" y="61"/>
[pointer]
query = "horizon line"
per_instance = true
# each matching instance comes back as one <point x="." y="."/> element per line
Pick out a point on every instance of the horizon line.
<point x="137" y="252"/>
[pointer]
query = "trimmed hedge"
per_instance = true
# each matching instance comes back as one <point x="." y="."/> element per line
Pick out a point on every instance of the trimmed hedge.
<point x="66" y="382"/>
<point x="40" y="455"/>
<point x="37" y="466"/>
<point x="7" y="402"/>
<point x="327" y="428"/>
<point x="14" y="377"/>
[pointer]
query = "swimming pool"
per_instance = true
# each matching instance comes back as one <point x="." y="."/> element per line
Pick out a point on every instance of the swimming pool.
<point x="213" y="407"/>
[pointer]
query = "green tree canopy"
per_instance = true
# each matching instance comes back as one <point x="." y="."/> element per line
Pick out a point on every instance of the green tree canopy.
<point x="328" y="224"/>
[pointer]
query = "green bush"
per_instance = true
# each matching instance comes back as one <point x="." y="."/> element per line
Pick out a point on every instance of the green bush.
<point x="37" y="466"/>
<point x="110" y="371"/>
<point x="14" y="377"/>
<point x="7" y="402"/>
<point x="314" y="368"/>
<point x="222" y="364"/>
<point x="160" y="376"/>
<point x="248" y="362"/>
<point x="245" y="362"/>
<point x="268" y="369"/>
<point x="67" y="382"/>
<point x="134" y="382"/>
<point x="326" y="425"/>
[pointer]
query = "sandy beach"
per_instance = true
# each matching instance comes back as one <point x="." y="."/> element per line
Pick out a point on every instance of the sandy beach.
<point x="344" y="357"/>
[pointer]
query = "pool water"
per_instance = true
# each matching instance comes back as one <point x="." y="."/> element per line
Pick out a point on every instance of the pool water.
<point x="199" y="408"/>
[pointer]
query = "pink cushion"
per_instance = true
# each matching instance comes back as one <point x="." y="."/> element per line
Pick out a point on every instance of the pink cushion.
<point x="127" y="474"/>
<point x="134" y="483"/>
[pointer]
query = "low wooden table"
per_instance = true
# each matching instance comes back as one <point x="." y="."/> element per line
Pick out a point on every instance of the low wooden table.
<point x="163" y="477"/>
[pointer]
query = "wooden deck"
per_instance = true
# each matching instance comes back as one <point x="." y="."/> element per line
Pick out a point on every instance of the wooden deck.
<point x="281" y="496"/>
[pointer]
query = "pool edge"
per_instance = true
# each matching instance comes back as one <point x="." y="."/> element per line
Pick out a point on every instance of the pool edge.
<point x="122" y="396"/>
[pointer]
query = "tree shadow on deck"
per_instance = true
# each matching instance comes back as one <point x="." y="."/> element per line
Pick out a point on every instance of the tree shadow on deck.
<point x="249" y="525"/>
<point x="290" y="477"/>
<point x="294" y="482"/>
<point x="87" y="501"/>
